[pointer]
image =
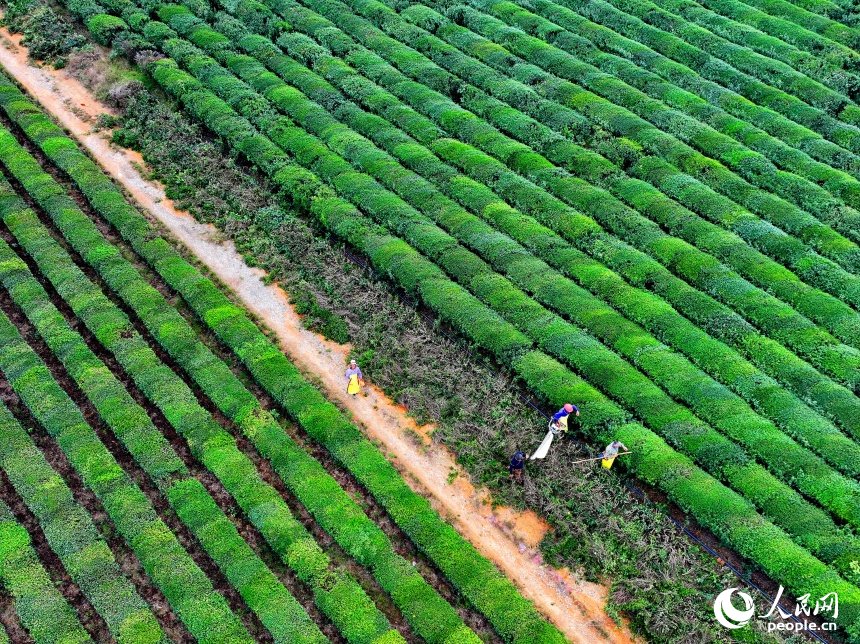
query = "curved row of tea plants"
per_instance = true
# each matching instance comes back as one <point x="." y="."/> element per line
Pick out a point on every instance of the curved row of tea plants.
<point x="184" y="584"/>
<point x="830" y="311"/>
<point x="735" y="171"/>
<point x="816" y="15"/>
<point x="786" y="143"/>
<point x="808" y="180"/>
<point x="72" y="535"/>
<point x="602" y="366"/>
<point x="41" y="607"/>
<point x="638" y="305"/>
<point x="699" y="197"/>
<point x="635" y="266"/>
<point x="337" y="512"/>
<point x="768" y="70"/>
<point x="594" y="201"/>
<point x="678" y="377"/>
<point x="635" y="26"/>
<point x="817" y="56"/>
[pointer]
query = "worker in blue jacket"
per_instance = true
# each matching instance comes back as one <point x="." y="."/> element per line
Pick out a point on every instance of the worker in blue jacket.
<point x="559" y="418"/>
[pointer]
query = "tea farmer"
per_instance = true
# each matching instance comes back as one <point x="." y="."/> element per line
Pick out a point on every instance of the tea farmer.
<point x="354" y="378"/>
<point x="516" y="466"/>
<point x="611" y="452"/>
<point x="559" y="418"/>
<point x="557" y="425"/>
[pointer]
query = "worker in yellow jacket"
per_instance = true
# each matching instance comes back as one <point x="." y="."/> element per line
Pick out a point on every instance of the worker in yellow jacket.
<point x="611" y="452"/>
<point x="354" y="378"/>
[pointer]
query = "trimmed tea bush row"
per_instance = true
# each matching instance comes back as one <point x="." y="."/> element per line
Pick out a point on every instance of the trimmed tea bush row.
<point x="71" y="534"/>
<point x="635" y="266"/>
<point x="819" y="16"/>
<point x="185" y="586"/>
<point x="338" y="513"/>
<point x="541" y="372"/>
<point x="681" y="379"/>
<point x="753" y="181"/>
<point x="279" y="612"/>
<point x="729" y="248"/>
<point x="540" y="241"/>
<point x="682" y="187"/>
<point x="553" y="334"/>
<point x="636" y="304"/>
<point x="810" y="179"/>
<point x="732" y="30"/>
<point x="768" y="70"/>
<point x="682" y="257"/>
<point x="807" y="143"/>
<point x="835" y="9"/>
<point x="43" y="610"/>
<point x="694" y="50"/>
<point x="810" y="53"/>
<point x="353" y="612"/>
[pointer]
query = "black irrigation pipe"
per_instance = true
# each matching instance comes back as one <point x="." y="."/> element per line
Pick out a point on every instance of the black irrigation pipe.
<point x="414" y="305"/>
<point x="737" y="572"/>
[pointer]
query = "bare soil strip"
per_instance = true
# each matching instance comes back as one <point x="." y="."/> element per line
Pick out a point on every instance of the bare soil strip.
<point x="507" y="538"/>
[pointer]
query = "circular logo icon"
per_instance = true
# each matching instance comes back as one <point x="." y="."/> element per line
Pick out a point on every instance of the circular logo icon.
<point x="727" y="614"/>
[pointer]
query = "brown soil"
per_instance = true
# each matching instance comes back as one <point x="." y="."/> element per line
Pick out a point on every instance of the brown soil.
<point x="506" y="537"/>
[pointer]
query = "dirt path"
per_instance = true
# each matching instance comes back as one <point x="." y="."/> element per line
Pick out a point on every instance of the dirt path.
<point x="506" y="537"/>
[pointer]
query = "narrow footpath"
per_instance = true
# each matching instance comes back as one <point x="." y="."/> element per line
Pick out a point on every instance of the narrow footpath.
<point x="506" y="537"/>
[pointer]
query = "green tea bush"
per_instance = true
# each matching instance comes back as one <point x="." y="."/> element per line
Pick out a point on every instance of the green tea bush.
<point x="478" y="196"/>
<point x="819" y="57"/>
<point x="507" y="300"/>
<point x="43" y="610"/>
<point x="814" y="16"/>
<point x="740" y="72"/>
<point x="184" y="585"/>
<point x="374" y="242"/>
<point x="552" y="212"/>
<point x="279" y="612"/>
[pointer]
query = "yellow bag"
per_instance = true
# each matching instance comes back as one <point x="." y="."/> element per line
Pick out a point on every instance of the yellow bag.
<point x="607" y="462"/>
<point x="353" y="387"/>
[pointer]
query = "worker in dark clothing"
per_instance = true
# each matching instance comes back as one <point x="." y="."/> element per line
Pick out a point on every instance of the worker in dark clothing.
<point x="516" y="466"/>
